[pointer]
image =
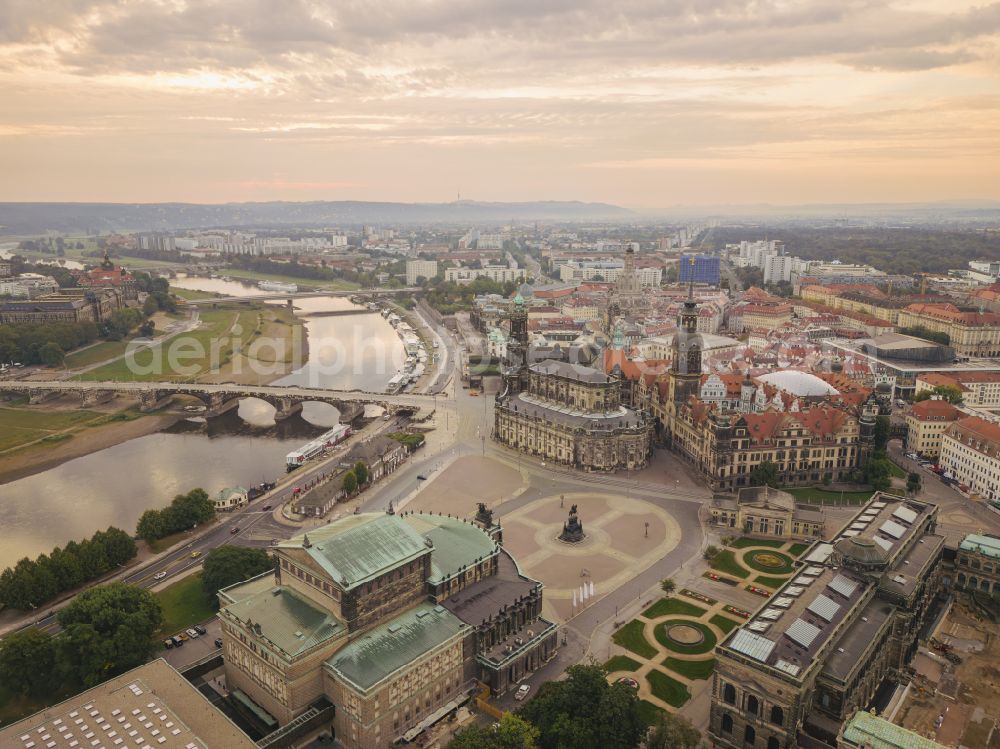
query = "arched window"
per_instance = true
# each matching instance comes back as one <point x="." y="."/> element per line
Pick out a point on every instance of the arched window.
<point x="729" y="694"/>
<point x="772" y="743"/>
<point x="753" y="705"/>
<point x="727" y="723"/>
<point x="749" y="735"/>
<point x="777" y="715"/>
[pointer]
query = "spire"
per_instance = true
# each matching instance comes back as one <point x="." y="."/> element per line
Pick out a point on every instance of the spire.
<point x="106" y="264"/>
<point x="305" y="541"/>
<point x="691" y="280"/>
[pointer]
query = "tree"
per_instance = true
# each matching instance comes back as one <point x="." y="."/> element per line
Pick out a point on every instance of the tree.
<point x="711" y="552"/>
<point x="878" y="473"/>
<point x="511" y="732"/>
<point x="583" y="711"/>
<point x="108" y="630"/>
<point x="882" y="428"/>
<point x="672" y="732"/>
<point x="913" y="483"/>
<point x="668" y="586"/>
<point x="349" y="483"/>
<point x="949" y="393"/>
<point x="51" y="354"/>
<point x="361" y="472"/>
<point x="27" y="661"/>
<point x="150" y="526"/>
<point x="765" y="474"/>
<point x="228" y="565"/>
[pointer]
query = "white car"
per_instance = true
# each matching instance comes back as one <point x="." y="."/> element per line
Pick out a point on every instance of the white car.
<point x="192" y="633"/>
<point x="522" y="692"/>
<point x="159" y="575"/>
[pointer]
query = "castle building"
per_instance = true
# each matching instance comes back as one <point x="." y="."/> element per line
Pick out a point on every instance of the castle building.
<point x="628" y="297"/>
<point x="567" y="413"/>
<point x="821" y="647"/>
<point x="392" y="619"/>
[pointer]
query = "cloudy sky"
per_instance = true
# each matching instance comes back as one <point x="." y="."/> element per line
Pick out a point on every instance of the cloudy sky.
<point x="644" y="103"/>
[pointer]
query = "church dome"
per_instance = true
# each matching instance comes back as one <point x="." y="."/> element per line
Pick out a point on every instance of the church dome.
<point x="861" y="551"/>
<point x="798" y="383"/>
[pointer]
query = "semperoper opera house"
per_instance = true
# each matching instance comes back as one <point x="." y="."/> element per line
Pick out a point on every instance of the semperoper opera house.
<point x="566" y="413"/>
<point x="394" y="620"/>
<point x="845" y="625"/>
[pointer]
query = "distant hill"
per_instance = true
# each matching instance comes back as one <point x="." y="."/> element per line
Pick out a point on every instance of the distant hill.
<point x="34" y="218"/>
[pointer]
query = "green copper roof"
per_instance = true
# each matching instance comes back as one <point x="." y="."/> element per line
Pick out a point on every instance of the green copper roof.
<point x="987" y="545"/>
<point x="519" y="300"/>
<point x="457" y="544"/>
<point x="881" y="734"/>
<point x="396" y="644"/>
<point x="358" y="548"/>
<point x="287" y="619"/>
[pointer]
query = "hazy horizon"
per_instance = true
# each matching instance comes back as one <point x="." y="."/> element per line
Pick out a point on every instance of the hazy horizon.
<point x="648" y="105"/>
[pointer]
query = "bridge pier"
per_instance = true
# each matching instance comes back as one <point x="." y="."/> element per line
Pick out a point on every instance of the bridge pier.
<point x="350" y="411"/>
<point x="218" y="404"/>
<point x="285" y="407"/>
<point x="40" y="396"/>
<point x="154" y="400"/>
<point x="94" y="397"/>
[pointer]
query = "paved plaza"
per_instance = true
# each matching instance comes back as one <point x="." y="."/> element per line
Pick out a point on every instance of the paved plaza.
<point x="624" y="535"/>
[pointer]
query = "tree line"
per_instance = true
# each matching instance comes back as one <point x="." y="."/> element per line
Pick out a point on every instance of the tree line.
<point x="184" y="512"/>
<point x="582" y="711"/>
<point x="107" y="630"/>
<point x="449" y="297"/>
<point x="33" y="582"/>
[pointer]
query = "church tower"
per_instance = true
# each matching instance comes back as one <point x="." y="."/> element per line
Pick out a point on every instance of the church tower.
<point x="516" y="367"/>
<point x="685" y="369"/>
<point x="866" y="425"/>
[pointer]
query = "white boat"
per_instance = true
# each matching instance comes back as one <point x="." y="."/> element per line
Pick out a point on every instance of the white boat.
<point x="313" y="448"/>
<point x="284" y="288"/>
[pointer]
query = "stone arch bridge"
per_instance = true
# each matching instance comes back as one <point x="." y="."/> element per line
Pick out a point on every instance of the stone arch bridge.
<point x="218" y="398"/>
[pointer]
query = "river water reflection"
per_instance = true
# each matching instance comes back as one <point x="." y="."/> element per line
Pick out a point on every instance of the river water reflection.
<point x="116" y="485"/>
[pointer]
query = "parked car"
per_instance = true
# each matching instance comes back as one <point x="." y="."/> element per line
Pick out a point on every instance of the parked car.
<point x="192" y="633"/>
<point x="182" y="636"/>
<point x="168" y="643"/>
<point x="522" y="692"/>
<point x="200" y="629"/>
<point x="218" y="642"/>
<point x="178" y="642"/>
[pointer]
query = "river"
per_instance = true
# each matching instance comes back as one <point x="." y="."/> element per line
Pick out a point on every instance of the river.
<point x="116" y="485"/>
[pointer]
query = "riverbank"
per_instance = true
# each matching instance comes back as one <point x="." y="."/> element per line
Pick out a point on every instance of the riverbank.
<point x="70" y="436"/>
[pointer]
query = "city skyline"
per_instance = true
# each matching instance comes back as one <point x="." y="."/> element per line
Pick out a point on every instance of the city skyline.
<point x="644" y="106"/>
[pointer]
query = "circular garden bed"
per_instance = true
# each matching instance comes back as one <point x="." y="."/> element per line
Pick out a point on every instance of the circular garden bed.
<point x="769" y="561"/>
<point x="689" y="638"/>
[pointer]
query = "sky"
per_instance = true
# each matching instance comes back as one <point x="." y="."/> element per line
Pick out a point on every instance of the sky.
<point x="647" y="104"/>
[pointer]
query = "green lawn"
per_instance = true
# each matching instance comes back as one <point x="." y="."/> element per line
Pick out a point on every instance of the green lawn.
<point x="724" y="623"/>
<point x="649" y="712"/>
<point x="895" y="471"/>
<point x="828" y="497"/>
<point x="745" y="542"/>
<point x="672" y="606"/>
<point x="770" y="582"/>
<point x="667" y="688"/>
<point x="184" y="605"/>
<point x="19" y="426"/>
<point x="336" y="284"/>
<point x="96" y="353"/>
<point x="622" y="663"/>
<point x="194" y="351"/>
<point x="705" y="646"/>
<point x="796" y="550"/>
<point x="631" y="638"/>
<point x="691" y="669"/>
<point x="725" y="561"/>
<point x="191" y="293"/>
<point x="786" y="568"/>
